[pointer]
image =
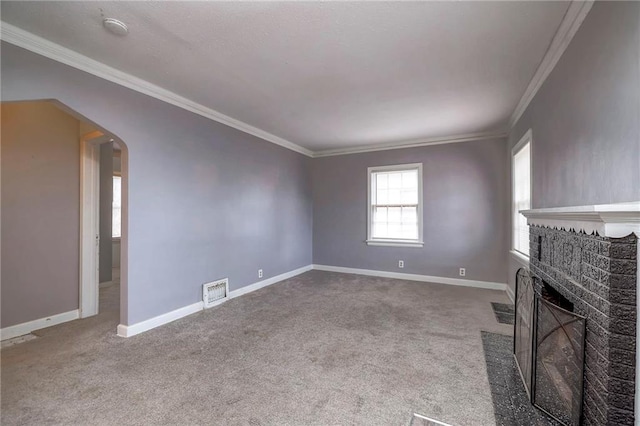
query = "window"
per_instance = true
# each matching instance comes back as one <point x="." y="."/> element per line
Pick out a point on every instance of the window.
<point x="395" y="205"/>
<point x="116" y="207"/>
<point x="521" y="192"/>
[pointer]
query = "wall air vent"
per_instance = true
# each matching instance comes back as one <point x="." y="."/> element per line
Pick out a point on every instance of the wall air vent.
<point x="215" y="292"/>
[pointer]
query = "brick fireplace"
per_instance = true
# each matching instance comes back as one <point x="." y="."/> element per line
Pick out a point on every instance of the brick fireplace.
<point x="589" y="255"/>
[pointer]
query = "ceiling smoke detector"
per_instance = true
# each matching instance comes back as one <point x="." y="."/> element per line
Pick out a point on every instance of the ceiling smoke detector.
<point x="115" y="26"/>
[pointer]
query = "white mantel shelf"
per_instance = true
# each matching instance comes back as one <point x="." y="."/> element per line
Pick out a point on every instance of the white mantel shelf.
<point x="608" y="220"/>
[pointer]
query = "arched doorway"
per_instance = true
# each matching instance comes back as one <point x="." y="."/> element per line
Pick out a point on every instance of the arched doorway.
<point x="47" y="183"/>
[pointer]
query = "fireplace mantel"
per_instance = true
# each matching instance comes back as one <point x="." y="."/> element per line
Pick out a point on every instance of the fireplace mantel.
<point x="608" y="220"/>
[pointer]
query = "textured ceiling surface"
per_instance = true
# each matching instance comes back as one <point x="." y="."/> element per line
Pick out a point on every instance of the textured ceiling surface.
<point x="323" y="75"/>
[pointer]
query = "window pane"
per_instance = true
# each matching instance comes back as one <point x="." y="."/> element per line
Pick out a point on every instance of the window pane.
<point x="409" y="215"/>
<point x="410" y="179"/>
<point x="521" y="198"/>
<point x="380" y="214"/>
<point x="409" y="231"/>
<point x="395" y="196"/>
<point x="522" y="235"/>
<point x="395" y="180"/>
<point x="409" y="222"/>
<point x="409" y="196"/>
<point x="382" y="196"/>
<point x="117" y="207"/>
<point x="394" y="229"/>
<point x="382" y="180"/>
<point x="379" y="230"/>
<point x="395" y="214"/>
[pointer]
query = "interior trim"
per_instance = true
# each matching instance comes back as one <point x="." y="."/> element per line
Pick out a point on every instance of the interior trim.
<point x="511" y="295"/>
<point x="519" y="257"/>
<point x="157" y="321"/>
<point x="264" y="283"/>
<point x="140" y="327"/>
<point x="575" y="15"/>
<point x="411" y="144"/>
<point x="414" y="277"/>
<point x="26" y="40"/>
<point x="162" y="319"/>
<point x="29" y="326"/>
<point x="573" y="18"/>
<point x="608" y="220"/>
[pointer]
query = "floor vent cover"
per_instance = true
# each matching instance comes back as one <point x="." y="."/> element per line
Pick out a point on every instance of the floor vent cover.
<point x="215" y="292"/>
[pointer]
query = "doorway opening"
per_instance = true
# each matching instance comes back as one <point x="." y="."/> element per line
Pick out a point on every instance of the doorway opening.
<point x="64" y="200"/>
<point x="101" y="223"/>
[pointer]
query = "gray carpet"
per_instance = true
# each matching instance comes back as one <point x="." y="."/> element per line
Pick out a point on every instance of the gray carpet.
<point x="321" y="348"/>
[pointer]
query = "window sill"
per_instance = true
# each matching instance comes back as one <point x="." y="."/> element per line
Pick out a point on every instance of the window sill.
<point x="519" y="257"/>
<point x="395" y="243"/>
<point x="115" y="239"/>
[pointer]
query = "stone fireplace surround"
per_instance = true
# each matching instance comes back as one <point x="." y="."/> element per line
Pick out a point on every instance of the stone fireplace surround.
<point x="589" y="254"/>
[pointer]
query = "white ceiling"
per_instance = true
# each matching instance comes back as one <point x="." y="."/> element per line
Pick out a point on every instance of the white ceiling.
<point x="323" y="75"/>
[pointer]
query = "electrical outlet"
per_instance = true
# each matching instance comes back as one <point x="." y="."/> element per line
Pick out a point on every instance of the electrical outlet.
<point x="463" y="272"/>
<point x="400" y="263"/>
<point x="259" y="273"/>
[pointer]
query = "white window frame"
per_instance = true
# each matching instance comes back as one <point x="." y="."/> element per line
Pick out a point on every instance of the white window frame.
<point x="526" y="139"/>
<point x="391" y="241"/>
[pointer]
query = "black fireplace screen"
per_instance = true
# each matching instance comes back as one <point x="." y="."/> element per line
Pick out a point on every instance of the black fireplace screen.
<point x="523" y="331"/>
<point x="549" y="351"/>
<point x="559" y="362"/>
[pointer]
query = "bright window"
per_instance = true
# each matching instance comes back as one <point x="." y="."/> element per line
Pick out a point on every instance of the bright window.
<point x="395" y="205"/>
<point x="521" y="172"/>
<point x="116" y="223"/>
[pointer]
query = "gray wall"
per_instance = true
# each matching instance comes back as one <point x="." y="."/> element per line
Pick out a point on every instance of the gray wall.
<point x="586" y="116"/>
<point x="106" y="210"/>
<point x="205" y="201"/>
<point x="464" y="211"/>
<point x="40" y="212"/>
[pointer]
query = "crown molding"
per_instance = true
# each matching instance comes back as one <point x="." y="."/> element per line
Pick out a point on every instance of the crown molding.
<point x="41" y="46"/>
<point x="573" y="18"/>
<point x="26" y="40"/>
<point x="608" y="220"/>
<point x="410" y="144"/>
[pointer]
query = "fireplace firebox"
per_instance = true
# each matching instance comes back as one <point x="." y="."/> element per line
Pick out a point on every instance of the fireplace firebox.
<point x="549" y="341"/>
<point x="558" y="358"/>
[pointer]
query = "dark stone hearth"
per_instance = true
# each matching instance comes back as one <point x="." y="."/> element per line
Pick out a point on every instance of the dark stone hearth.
<point x="511" y="404"/>
<point x="598" y="276"/>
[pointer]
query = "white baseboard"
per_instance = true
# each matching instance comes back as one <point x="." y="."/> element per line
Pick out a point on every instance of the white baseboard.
<point x="28" y="327"/>
<point x="511" y="295"/>
<point x="140" y="327"/>
<point x="414" y="277"/>
<point x="268" y="281"/>
<point x="132" y="330"/>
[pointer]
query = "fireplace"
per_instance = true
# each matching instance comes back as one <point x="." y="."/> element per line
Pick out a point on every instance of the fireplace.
<point x="558" y="360"/>
<point x="549" y="341"/>
<point x="580" y="314"/>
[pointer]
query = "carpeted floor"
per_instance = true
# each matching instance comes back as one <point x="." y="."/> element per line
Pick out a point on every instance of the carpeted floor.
<point x="321" y="348"/>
